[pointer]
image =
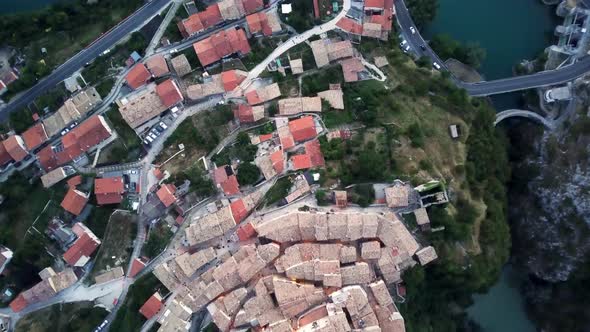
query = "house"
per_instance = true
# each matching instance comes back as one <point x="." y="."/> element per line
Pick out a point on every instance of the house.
<point x="398" y="195"/>
<point x="263" y="23"/>
<point x="157" y="65"/>
<point x="143" y="105"/>
<point x="225" y="179"/>
<point x="351" y="26"/>
<point x="335" y="97"/>
<point x="51" y="284"/>
<point x="232" y="78"/>
<point x="109" y="190"/>
<point x="84" y="246"/>
<point x="264" y="94"/>
<point x="181" y="65"/>
<point x="341" y="198"/>
<point x="79" y="140"/>
<point x="454" y="131"/>
<point x="75" y="108"/>
<point x="296" y="66"/>
<point x="422" y="219"/>
<point x="53" y="177"/>
<point x="325" y="51"/>
<point x="35" y="136"/>
<point x="152" y="306"/>
<point x="166" y="194"/>
<point x="198" y="22"/>
<point x="74" y="201"/>
<point x="221" y="45"/>
<point x="351" y="69"/>
<point x="248" y="114"/>
<point x="15" y="146"/>
<point x="137" y="265"/>
<point x="303" y="128"/>
<point x="57" y="231"/>
<point x="296" y="105"/>
<point x="312" y="157"/>
<point x="5" y="158"/>
<point x="169" y="93"/>
<point x="138" y="76"/>
<point x="5" y="257"/>
<point x="74" y="181"/>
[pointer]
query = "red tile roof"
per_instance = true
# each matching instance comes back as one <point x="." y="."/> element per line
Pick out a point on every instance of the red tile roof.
<point x="245" y="231"/>
<point x="278" y="161"/>
<point x="350" y="25"/>
<point x="169" y="93"/>
<point x="74" y="181"/>
<point x="138" y="76"/>
<point x="303" y="128"/>
<point x="301" y="161"/>
<point x="136" y="266"/>
<point x="191" y="25"/>
<point x="9" y="77"/>
<point x="287" y="142"/>
<point x="228" y="183"/>
<point x="84" y="246"/>
<point x="244" y="113"/>
<point x="158" y="174"/>
<point x="210" y="16"/>
<point x="231" y="79"/>
<point x="265" y="137"/>
<point x="152" y="306"/>
<point x="74" y="201"/>
<point x="220" y="45"/>
<point x="238" y="210"/>
<point x="251" y="6"/>
<point x="157" y="65"/>
<point x="379" y="4"/>
<point x="313" y="149"/>
<point x="258" y="23"/>
<point x="19" y="303"/>
<point x="166" y="194"/>
<point x="14" y="145"/>
<point x="316" y="8"/>
<point x="35" y="136"/>
<point x="4" y="156"/>
<point x="253" y="98"/>
<point x="109" y="190"/>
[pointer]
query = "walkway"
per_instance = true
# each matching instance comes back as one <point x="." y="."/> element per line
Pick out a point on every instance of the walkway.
<point x="524" y="114"/>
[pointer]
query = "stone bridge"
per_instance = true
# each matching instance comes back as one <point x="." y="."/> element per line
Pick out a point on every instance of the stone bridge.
<point x="549" y="124"/>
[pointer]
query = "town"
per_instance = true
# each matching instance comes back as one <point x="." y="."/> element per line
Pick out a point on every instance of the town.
<point x="220" y="167"/>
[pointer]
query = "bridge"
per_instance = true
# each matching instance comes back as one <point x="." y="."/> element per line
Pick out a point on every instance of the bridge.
<point x="488" y="88"/>
<point x="549" y="124"/>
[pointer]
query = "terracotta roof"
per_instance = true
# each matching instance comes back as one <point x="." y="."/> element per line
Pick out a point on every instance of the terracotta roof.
<point x="152" y="306"/>
<point x="313" y="149"/>
<point x="109" y="190"/>
<point x="74" y="181"/>
<point x="138" y="76"/>
<point x="220" y="45"/>
<point x="227" y="182"/>
<point x="210" y="16"/>
<point x="374" y="4"/>
<point x="136" y="266"/>
<point x="15" y="146"/>
<point x="350" y="25"/>
<point x="35" y="136"/>
<point x="4" y="156"/>
<point x="278" y="161"/>
<point x="258" y="23"/>
<point x="158" y="174"/>
<point x="238" y="210"/>
<point x="191" y="25"/>
<point x="245" y="231"/>
<point x="265" y="137"/>
<point x="301" y="161"/>
<point x="19" y="303"/>
<point x="166" y="194"/>
<point x="83" y="247"/>
<point x="81" y="139"/>
<point x="157" y="65"/>
<point x="74" y="201"/>
<point x="169" y="93"/>
<point x="303" y="129"/>
<point x="231" y="79"/>
<point x="350" y="68"/>
<point x="206" y="52"/>
<point x="251" y="6"/>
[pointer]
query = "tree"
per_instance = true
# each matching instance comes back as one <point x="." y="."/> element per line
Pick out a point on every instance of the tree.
<point x="424" y="62"/>
<point x="248" y="173"/>
<point x="423" y="11"/>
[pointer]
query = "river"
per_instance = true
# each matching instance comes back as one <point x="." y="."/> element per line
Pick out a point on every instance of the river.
<point x="510" y="31"/>
<point x="15" y="6"/>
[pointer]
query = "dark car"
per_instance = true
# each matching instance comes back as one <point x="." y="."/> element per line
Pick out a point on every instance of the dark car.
<point x="423" y="47"/>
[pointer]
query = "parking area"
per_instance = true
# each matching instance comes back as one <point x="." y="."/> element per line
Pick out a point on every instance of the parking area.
<point x="153" y="131"/>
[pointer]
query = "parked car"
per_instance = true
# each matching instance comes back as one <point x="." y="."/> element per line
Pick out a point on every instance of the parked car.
<point x="65" y="131"/>
<point x="163" y="125"/>
<point x="159" y="129"/>
<point x="413" y="30"/>
<point x="149" y="138"/>
<point x="405" y="46"/>
<point x="436" y="65"/>
<point x="146" y="142"/>
<point x="153" y="136"/>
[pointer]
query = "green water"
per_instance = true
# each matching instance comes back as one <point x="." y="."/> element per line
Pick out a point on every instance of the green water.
<point x="509" y="30"/>
<point x="501" y="309"/>
<point x="15" y="6"/>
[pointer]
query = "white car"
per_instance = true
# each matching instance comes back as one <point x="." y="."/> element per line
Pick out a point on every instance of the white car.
<point x="149" y="139"/>
<point x="436" y="65"/>
<point x="163" y="125"/>
<point x="153" y="136"/>
<point x="405" y="46"/>
<point x="413" y="30"/>
<point x="172" y="51"/>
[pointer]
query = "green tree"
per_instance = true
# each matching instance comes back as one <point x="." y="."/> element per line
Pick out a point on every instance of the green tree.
<point x="248" y="173"/>
<point x="423" y="11"/>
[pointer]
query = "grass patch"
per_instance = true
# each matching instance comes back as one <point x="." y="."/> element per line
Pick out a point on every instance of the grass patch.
<point x="68" y="317"/>
<point x="117" y="242"/>
<point x="128" y="317"/>
<point x="130" y="148"/>
<point x="99" y="219"/>
<point x="278" y="191"/>
<point x="158" y="239"/>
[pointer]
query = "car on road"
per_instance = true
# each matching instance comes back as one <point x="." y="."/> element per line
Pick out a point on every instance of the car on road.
<point x="436" y="65"/>
<point x="413" y="30"/>
<point x="405" y="46"/>
<point x="423" y="47"/>
<point x="174" y="50"/>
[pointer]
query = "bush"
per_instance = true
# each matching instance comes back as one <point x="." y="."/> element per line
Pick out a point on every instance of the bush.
<point x="248" y="173"/>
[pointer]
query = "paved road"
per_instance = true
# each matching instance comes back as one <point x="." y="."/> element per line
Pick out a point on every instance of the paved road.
<point x="106" y="41"/>
<point x="486" y="88"/>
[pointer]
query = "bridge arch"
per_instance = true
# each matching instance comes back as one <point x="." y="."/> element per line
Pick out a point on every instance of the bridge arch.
<point x="523" y="114"/>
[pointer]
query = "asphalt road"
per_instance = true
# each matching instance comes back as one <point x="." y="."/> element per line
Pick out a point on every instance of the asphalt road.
<point x="486" y="88"/>
<point x="106" y="41"/>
